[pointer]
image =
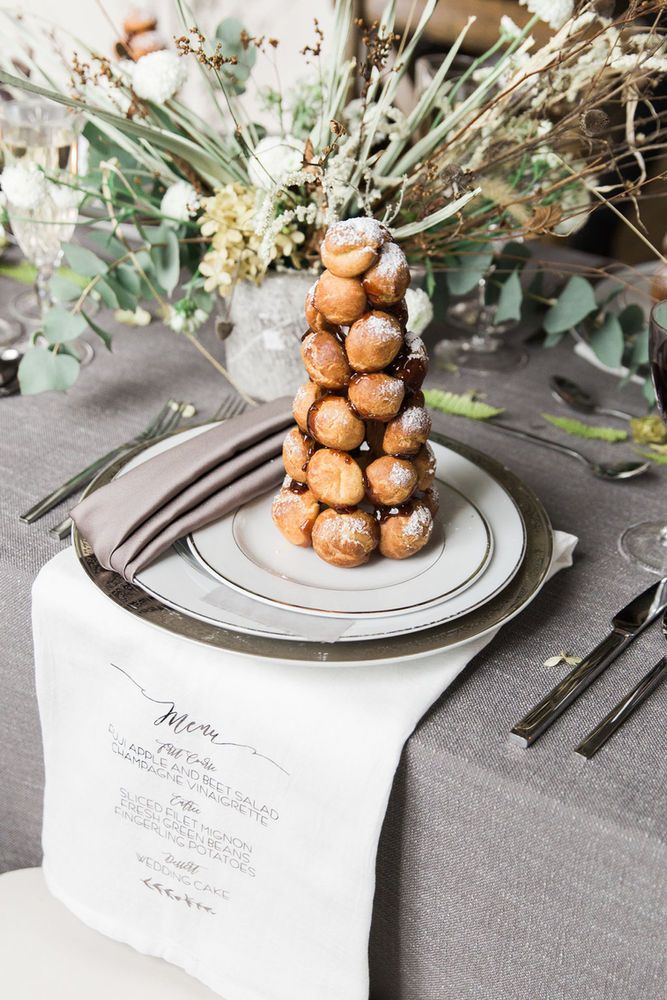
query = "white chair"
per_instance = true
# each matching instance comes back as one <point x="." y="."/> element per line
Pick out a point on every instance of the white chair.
<point x="46" y="953"/>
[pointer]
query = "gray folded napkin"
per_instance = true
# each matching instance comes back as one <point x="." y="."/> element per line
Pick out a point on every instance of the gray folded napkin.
<point x="134" y="519"/>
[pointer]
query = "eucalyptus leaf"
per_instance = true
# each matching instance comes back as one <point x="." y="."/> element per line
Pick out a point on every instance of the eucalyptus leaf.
<point x="166" y="259"/>
<point x="60" y="325"/>
<point x="632" y="320"/>
<point x="510" y="299"/>
<point x="63" y="289"/>
<point x="468" y="271"/>
<point x="552" y="339"/>
<point x="640" y="350"/>
<point x="607" y="342"/>
<point x="106" y="293"/>
<point x="124" y="299"/>
<point x="84" y="261"/>
<point x="575" y="302"/>
<point x="42" y="370"/>
<point x="128" y="278"/>
<point x="102" y="334"/>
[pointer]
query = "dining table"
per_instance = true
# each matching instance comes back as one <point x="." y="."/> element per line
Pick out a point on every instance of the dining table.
<point x="502" y="872"/>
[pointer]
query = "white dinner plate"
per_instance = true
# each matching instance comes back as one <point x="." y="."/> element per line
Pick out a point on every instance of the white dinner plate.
<point x="180" y="583"/>
<point x="246" y="551"/>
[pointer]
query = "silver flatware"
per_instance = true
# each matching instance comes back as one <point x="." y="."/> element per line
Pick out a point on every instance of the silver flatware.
<point x="627" y="624"/>
<point x="620" y="713"/>
<point x="182" y="410"/>
<point x="164" y="419"/>
<point x="578" y="399"/>
<point x="231" y="406"/>
<point x="610" y="471"/>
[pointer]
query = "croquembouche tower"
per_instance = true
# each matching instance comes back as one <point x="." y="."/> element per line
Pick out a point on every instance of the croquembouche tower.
<point x="359" y="467"/>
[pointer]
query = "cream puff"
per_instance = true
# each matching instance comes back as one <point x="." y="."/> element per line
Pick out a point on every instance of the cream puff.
<point x="405" y="530"/>
<point x="345" y="538"/>
<point x="294" y="512"/>
<point x="406" y="433"/>
<point x="341" y="301"/>
<point x="333" y="423"/>
<point x="386" y="282"/>
<point x="325" y="360"/>
<point x="305" y="396"/>
<point x="411" y="363"/>
<point x="390" y="481"/>
<point x="335" y="478"/>
<point x="376" y="396"/>
<point x="315" y="319"/>
<point x="297" y="451"/>
<point x="425" y="464"/>
<point x="373" y="341"/>
<point x="351" y="247"/>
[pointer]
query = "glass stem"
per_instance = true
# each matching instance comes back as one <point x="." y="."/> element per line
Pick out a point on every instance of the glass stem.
<point x="44" y="275"/>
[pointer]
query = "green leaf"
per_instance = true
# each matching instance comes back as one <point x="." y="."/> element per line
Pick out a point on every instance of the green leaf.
<point x="128" y="278"/>
<point x="108" y="243"/>
<point x="468" y="272"/>
<point x="124" y="299"/>
<point x="60" y="325"/>
<point x="649" y="392"/>
<point x="63" y="289"/>
<point x="639" y="354"/>
<point x="166" y="259"/>
<point x="575" y="302"/>
<point x="607" y="342"/>
<point x="84" y="261"/>
<point x="102" y="334"/>
<point x="24" y="272"/>
<point x="107" y="293"/>
<point x="654" y="455"/>
<point x="552" y="339"/>
<point x="41" y="371"/>
<point x="510" y="299"/>
<point x="632" y="320"/>
<point x="579" y="429"/>
<point x="459" y="405"/>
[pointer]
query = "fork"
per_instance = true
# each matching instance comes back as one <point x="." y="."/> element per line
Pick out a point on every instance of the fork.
<point x="173" y="419"/>
<point x="231" y="406"/>
<point x="85" y="476"/>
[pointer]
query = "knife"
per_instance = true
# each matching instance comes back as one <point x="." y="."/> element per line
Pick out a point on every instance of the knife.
<point x="627" y="624"/>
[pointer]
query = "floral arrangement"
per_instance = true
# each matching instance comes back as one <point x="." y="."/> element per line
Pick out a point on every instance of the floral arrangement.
<point x="519" y="145"/>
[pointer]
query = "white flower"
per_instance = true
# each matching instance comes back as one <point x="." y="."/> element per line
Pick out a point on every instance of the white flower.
<point x="24" y="185"/>
<point x="179" y="202"/>
<point x="63" y="195"/>
<point x="508" y="27"/>
<point x="133" y="317"/>
<point x="185" y="317"/>
<point x="158" y="75"/>
<point x="553" y="12"/>
<point x="420" y="310"/>
<point x="274" y="159"/>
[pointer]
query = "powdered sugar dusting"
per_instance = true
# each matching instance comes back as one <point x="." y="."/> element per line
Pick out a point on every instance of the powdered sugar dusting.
<point x="401" y="476"/>
<point x="414" y="420"/>
<point x="381" y="326"/>
<point x="419" y="523"/>
<point x="356" y="233"/>
<point x="391" y="262"/>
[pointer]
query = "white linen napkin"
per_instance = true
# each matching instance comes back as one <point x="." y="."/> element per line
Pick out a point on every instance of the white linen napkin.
<point x="220" y="811"/>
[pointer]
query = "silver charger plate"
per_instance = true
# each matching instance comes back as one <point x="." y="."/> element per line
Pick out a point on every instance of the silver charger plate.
<point x="512" y="598"/>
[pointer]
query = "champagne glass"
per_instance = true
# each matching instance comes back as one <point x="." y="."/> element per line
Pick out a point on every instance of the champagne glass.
<point x="646" y="543"/>
<point x="38" y="134"/>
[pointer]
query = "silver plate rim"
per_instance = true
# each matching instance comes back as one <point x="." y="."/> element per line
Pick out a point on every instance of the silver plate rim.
<point x="525" y="584"/>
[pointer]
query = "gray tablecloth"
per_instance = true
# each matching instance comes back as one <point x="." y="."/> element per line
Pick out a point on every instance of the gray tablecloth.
<point x="502" y="873"/>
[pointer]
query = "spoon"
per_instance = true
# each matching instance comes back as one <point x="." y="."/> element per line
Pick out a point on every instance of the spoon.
<point x="579" y="400"/>
<point x="603" y="470"/>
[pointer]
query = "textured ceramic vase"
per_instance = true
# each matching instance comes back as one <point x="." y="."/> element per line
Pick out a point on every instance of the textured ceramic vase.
<point x="262" y="347"/>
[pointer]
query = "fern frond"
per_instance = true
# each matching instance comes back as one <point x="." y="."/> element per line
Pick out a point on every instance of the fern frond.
<point x="657" y="454"/>
<point x="459" y="405"/>
<point x="579" y="429"/>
